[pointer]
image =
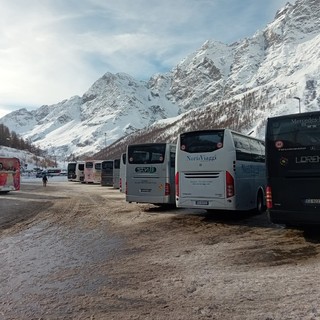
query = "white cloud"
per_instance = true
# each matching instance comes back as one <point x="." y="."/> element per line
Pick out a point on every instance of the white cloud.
<point x="54" y="49"/>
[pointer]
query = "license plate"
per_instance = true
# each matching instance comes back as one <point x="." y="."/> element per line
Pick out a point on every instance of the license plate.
<point x="202" y="202"/>
<point x="312" y="201"/>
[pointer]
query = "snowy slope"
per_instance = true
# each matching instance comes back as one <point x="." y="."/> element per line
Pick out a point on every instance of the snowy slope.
<point x="27" y="159"/>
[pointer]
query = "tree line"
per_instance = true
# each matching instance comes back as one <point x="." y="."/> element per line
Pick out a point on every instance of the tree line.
<point x="11" y="139"/>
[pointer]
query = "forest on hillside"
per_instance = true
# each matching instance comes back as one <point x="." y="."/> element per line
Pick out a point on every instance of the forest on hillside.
<point x="11" y="139"/>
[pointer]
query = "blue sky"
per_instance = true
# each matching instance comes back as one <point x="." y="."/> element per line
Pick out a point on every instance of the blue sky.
<point x="51" y="50"/>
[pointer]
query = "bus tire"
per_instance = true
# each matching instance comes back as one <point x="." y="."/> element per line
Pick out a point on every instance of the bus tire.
<point x="260" y="208"/>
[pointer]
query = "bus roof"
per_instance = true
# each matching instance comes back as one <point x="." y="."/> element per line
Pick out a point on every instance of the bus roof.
<point x="295" y="115"/>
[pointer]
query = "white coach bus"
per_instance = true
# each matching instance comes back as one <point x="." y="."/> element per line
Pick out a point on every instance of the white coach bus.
<point x="150" y="173"/>
<point x="80" y="171"/>
<point x="116" y="173"/>
<point x="92" y="171"/>
<point x="220" y="170"/>
<point x="122" y="179"/>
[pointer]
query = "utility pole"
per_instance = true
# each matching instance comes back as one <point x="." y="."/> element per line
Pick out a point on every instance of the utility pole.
<point x="297" y="98"/>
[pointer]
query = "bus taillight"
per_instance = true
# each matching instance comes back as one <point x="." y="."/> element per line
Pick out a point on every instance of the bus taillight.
<point x="126" y="187"/>
<point x="229" y="185"/>
<point x="167" y="189"/>
<point x="177" y="184"/>
<point x="120" y="184"/>
<point x="269" y="197"/>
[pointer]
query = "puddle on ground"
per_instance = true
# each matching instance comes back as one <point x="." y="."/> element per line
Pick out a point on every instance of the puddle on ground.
<point x="48" y="258"/>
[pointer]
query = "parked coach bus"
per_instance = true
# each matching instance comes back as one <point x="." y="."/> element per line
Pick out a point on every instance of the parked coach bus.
<point x="92" y="171"/>
<point x="122" y="179"/>
<point x="9" y="174"/>
<point x="293" y="168"/>
<point x="116" y="173"/>
<point x="71" y="171"/>
<point x="107" y="173"/>
<point x="80" y="171"/>
<point x="53" y="172"/>
<point x="150" y="173"/>
<point x="220" y="169"/>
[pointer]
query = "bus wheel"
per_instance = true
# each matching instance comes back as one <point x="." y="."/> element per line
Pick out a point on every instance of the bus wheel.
<point x="260" y="205"/>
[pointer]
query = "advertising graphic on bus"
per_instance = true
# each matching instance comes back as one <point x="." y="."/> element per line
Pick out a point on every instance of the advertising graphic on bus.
<point x="9" y="174"/>
<point x="293" y="168"/>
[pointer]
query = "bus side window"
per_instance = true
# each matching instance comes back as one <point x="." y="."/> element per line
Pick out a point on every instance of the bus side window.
<point x="242" y="146"/>
<point x="257" y="150"/>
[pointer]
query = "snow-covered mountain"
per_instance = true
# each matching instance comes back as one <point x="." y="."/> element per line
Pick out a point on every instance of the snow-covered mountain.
<point x="273" y="66"/>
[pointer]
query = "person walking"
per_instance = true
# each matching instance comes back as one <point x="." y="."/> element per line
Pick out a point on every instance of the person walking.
<point x="44" y="180"/>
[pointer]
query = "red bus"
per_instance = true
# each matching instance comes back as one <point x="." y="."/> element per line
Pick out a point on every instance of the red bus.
<point x="9" y="174"/>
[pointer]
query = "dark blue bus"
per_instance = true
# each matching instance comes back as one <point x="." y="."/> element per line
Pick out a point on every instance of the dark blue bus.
<point x="293" y="169"/>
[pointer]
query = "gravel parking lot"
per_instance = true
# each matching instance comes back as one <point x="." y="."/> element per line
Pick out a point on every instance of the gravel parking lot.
<point x="76" y="251"/>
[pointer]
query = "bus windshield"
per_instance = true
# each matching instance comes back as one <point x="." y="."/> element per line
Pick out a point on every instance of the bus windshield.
<point x="146" y="154"/>
<point x="203" y="141"/>
<point x="107" y="165"/>
<point x="294" y="143"/>
<point x="89" y="164"/>
<point x="290" y="134"/>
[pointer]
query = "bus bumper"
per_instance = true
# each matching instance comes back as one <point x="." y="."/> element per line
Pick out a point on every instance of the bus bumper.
<point x="294" y="218"/>
<point x="152" y="200"/>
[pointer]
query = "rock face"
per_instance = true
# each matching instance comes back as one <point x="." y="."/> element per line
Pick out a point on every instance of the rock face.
<point x="275" y="64"/>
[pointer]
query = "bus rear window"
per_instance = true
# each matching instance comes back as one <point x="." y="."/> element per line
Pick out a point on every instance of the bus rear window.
<point x="286" y="134"/>
<point x="89" y="164"/>
<point x="201" y="141"/>
<point x="107" y="165"/>
<point x="146" y="154"/>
